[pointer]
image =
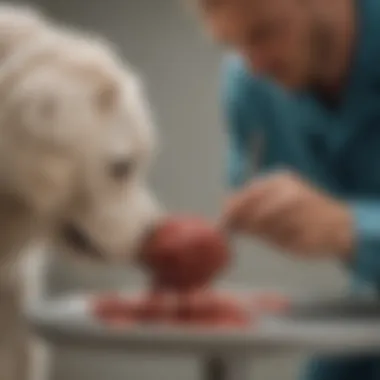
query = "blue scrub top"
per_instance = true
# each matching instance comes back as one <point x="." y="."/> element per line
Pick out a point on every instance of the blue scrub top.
<point x="338" y="149"/>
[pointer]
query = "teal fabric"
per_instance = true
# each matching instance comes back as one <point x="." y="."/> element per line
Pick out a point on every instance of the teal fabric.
<point x="338" y="368"/>
<point x="336" y="148"/>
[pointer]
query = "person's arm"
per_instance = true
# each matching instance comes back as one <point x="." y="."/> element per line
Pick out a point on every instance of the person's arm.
<point x="242" y="113"/>
<point x="365" y="262"/>
<point x="237" y="148"/>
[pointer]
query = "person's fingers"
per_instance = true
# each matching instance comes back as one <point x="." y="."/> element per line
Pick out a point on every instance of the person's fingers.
<point x="238" y="205"/>
<point x="275" y="213"/>
<point x="283" y="211"/>
<point x="276" y="209"/>
<point x="298" y="237"/>
<point x="287" y="224"/>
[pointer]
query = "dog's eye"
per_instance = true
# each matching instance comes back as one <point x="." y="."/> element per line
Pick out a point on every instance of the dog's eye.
<point x="122" y="169"/>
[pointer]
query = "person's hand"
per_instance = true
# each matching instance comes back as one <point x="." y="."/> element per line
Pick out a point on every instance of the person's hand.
<point x="284" y="210"/>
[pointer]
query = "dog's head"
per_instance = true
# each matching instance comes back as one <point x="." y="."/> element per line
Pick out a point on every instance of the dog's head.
<point x="19" y="27"/>
<point x="77" y="142"/>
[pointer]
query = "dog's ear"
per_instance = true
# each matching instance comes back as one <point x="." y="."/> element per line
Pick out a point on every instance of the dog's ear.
<point x="51" y="107"/>
<point x="40" y="121"/>
<point x="61" y="106"/>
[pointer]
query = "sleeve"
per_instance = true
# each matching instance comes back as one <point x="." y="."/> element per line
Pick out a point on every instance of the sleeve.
<point x="239" y="104"/>
<point x="237" y="150"/>
<point x="366" y="262"/>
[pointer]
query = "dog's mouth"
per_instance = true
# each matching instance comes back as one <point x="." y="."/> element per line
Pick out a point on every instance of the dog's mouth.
<point x="79" y="241"/>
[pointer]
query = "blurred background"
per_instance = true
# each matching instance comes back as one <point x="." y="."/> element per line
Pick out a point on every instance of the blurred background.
<point x="180" y="69"/>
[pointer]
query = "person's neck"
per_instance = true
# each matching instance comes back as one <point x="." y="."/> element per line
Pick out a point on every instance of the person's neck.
<point x="344" y="22"/>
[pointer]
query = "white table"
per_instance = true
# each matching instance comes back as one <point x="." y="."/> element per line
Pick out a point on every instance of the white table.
<point x="227" y="355"/>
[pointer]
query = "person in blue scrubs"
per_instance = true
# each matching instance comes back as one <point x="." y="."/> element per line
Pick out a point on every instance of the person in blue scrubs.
<point x="301" y="95"/>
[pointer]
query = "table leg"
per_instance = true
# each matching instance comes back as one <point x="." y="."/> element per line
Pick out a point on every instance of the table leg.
<point x="226" y="368"/>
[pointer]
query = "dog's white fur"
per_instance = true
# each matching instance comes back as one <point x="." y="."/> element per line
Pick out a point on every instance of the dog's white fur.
<point x="76" y="141"/>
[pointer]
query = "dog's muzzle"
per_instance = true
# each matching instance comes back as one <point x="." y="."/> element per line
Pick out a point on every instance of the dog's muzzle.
<point x="78" y="240"/>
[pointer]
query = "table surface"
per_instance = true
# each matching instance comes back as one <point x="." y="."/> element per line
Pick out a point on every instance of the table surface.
<point x="337" y="325"/>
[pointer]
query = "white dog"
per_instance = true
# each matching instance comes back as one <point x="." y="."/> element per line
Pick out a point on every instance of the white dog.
<point x="76" y="141"/>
